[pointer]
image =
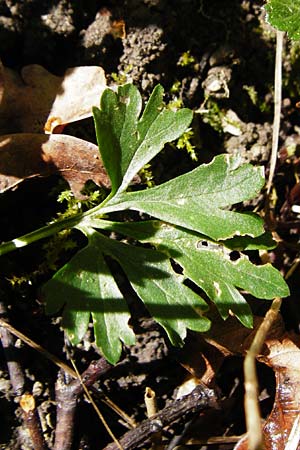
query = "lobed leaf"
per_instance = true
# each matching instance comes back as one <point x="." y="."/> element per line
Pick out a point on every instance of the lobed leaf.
<point x="85" y="287"/>
<point x="171" y="303"/>
<point x="197" y="200"/>
<point x="285" y="15"/>
<point x="127" y="141"/>
<point x="208" y="265"/>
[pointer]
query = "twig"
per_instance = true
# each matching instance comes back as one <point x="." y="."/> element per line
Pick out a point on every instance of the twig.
<point x="100" y="415"/>
<point x="11" y="355"/>
<point x="17" y="379"/>
<point x="277" y="107"/>
<point x="214" y="440"/>
<point x="66" y="401"/>
<point x="196" y="401"/>
<point x="177" y="439"/>
<point x="151" y="408"/>
<point x="253" y="421"/>
<point x="32" y="421"/>
<point x="67" y="394"/>
<point x="93" y="372"/>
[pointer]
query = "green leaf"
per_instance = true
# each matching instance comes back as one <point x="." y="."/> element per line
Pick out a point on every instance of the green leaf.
<point x="128" y="142"/>
<point x="285" y="15"/>
<point x="197" y="200"/>
<point x="171" y="303"/>
<point x="242" y="243"/>
<point x="85" y="287"/>
<point x="208" y="265"/>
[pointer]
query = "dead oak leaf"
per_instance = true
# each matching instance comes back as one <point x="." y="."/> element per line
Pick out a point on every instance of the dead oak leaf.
<point x="28" y="155"/>
<point x="203" y="354"/>
<point x="281" y="430"/>
<point x="37" y="101"/>
<point x="283" y="355"/>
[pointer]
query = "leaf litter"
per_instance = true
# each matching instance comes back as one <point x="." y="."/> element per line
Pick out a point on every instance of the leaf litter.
<point x="37" y="101"/>
<point x="203" y="356"/>
<point x="29" y="155"/>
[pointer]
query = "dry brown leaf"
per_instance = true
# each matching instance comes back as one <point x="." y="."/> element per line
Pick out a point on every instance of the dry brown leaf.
<point x="31" y="155"/>
<point x="283" y="355"/>
<point x="204" y="353"/>
<point x="37" y="101"/>
<point x="282" y="428"/>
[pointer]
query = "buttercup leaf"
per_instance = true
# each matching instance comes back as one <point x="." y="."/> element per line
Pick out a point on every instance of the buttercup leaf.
<point x="192" y="240"/>
<point x="127" y="141"/>
<point x="85" y="287"/>
<point x="197" y="200"/>
<point x="209" y="266"/>
<point x="171" y="303"/>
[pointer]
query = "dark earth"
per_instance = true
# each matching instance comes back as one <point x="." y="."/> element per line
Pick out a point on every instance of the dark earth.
<point x="214" y="57"/>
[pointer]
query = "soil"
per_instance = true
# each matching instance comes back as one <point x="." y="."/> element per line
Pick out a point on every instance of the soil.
<point x="217" y="60"/>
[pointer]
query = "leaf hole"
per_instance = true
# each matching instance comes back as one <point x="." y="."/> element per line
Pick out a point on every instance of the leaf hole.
<point x="234" y="255"/>
<point x="202" y="244"/>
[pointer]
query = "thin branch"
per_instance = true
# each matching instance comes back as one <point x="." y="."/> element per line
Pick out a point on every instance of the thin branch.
<point x="90" y="376"/>
<point x="32" y="421"/>
<point x="15" y="371"/>
<point x="100" y="415"/>
<point x="199" y="399"/>
<point x="17" y="379"/>
<point x="66" y="401"/>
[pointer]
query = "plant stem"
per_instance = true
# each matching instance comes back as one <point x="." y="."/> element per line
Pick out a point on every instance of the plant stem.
<point x="253" y="420"/>
<point x="277" y="107"/>
<point x="41" y="233"/>
<point x="49" y="230"/>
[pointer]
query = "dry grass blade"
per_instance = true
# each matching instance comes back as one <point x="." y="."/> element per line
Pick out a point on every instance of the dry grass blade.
<point x="38" y="347"/>
<point x="62" y="365"/>
<point x="277" y="107"/>
<point x="98" y="412"/>
<point x="253" y="420"/>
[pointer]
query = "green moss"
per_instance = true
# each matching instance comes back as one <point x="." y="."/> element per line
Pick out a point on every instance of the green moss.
<point x="186" y="59"/>
<point x="212" y="115"/>
<point x="123" y="76"/>
<point x="175" y="88"/>
<point x="146" y="176"/>
<point x="252" y="92"/>
<point x="60" y="245"/>
<point x="184" y="143"/>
